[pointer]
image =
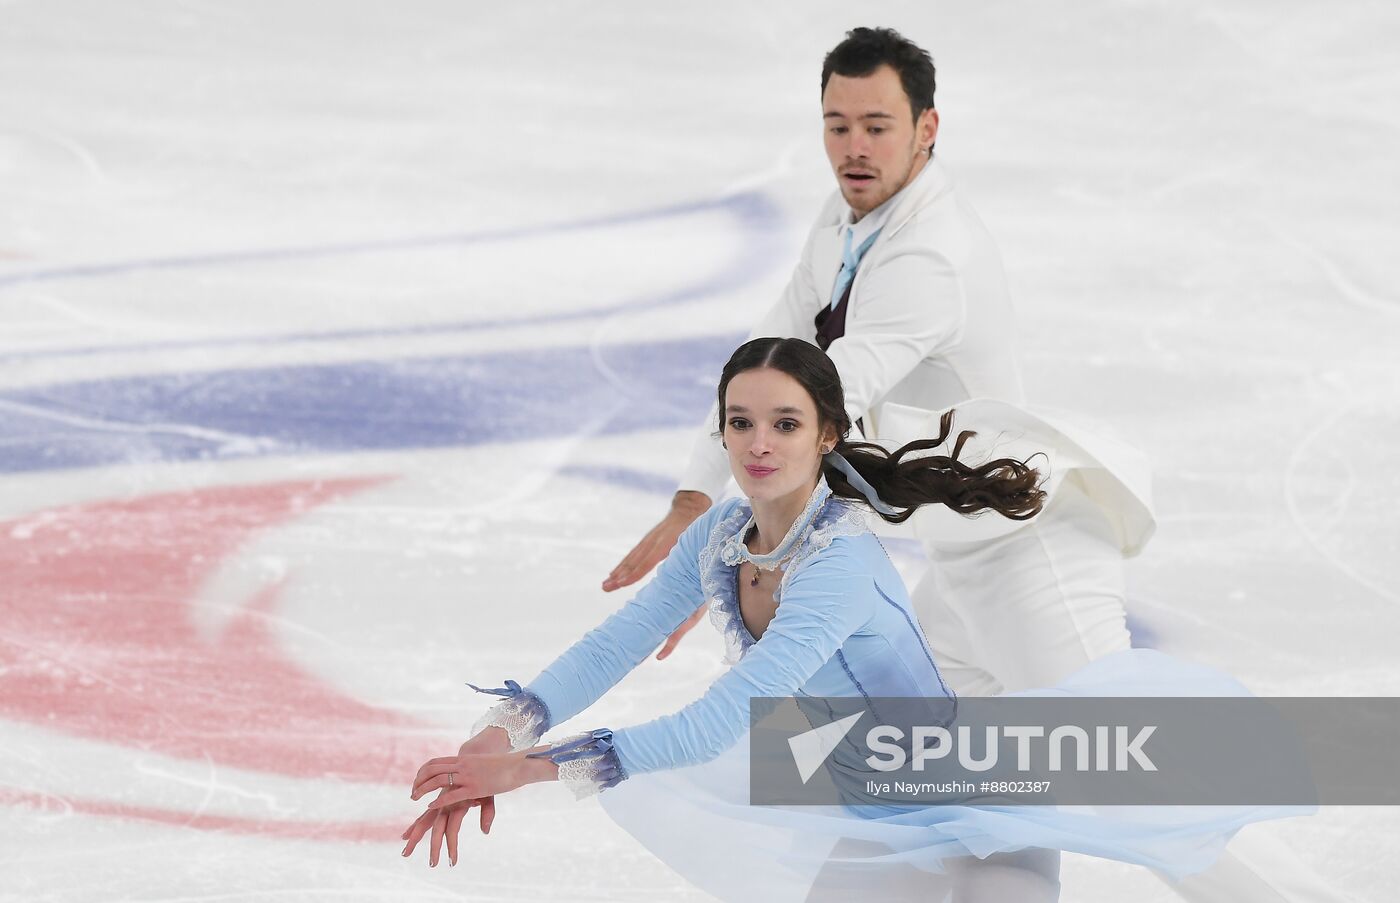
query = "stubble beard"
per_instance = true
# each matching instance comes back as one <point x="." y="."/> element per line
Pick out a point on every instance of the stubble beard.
<point x="903" y="182"/>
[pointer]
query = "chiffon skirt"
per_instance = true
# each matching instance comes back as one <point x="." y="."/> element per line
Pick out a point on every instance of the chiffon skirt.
<point x="699" y="822"/>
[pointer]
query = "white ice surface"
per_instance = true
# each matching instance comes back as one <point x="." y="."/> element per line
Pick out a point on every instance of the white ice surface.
<point x="1196" y="204"/>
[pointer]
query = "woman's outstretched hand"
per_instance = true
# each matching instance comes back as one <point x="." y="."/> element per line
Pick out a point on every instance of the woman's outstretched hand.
<point x="446" y="822"/>
<point x="686" y="506"/>
<point x="469" y="777"/>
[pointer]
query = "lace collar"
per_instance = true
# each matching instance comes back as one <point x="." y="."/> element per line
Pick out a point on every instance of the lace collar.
<point x="734" y="550"/>
<point x="812" y="532"/>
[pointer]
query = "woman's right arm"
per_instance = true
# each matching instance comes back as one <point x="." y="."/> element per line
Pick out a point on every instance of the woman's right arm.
<point x="576" y="679"/>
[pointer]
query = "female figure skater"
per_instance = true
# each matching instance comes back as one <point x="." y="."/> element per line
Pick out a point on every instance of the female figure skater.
<point x="807" y="602"/>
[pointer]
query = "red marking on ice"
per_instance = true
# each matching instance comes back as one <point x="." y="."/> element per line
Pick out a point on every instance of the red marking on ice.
<point x="354" y="831"/>
<point x="97" y="640"/>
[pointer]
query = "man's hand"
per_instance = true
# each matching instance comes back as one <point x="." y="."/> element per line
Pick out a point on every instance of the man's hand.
<point x="657" y="544"/>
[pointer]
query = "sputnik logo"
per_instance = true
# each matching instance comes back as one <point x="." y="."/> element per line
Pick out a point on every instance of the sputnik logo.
<point x="810" y="749"/>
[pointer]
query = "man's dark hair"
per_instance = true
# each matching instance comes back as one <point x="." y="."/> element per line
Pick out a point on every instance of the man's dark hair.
<point x="867" y="49"/>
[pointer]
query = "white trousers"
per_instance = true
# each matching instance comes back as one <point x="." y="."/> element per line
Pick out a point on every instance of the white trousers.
<point x="1030" y="608"/>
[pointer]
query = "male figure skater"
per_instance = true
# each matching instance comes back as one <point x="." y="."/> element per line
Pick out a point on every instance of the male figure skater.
<point x="903" y="287"/>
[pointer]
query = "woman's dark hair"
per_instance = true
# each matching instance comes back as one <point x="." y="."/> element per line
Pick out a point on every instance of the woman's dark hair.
<point x="1007" y="486"/>
<point x="867" y="49"/>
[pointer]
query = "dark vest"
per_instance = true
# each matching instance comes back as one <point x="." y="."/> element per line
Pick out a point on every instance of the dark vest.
<point x="831" y="321"/>
<point x="831" y="325"/>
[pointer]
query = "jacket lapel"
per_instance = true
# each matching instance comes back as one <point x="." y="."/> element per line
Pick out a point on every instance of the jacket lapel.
<point x="925" y="193"/>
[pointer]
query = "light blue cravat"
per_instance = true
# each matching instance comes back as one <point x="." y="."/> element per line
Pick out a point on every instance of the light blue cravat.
<point x="849" y="261"/>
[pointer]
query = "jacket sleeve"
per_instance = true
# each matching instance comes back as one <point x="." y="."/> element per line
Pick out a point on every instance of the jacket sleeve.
<point x="827" y="601"/>
<point x="911" y="306"/>
<point x="707" y="469"/>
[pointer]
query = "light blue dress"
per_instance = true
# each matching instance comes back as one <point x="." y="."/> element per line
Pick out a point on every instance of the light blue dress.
<point x="844" y="626"/>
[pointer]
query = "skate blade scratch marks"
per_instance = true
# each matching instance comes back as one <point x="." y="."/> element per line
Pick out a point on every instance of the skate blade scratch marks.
<point x="757" y="218"/>
<point x="98" y="640"/>
<point x="377" y="832"/>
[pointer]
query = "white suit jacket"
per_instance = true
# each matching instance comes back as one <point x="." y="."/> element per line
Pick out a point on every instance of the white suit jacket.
<point x="929" y="326"/>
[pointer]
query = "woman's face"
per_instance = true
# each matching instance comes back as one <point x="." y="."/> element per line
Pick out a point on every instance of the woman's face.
<point x="772" y="435"/>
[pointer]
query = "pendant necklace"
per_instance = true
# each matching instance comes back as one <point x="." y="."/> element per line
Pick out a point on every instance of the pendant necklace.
<point x="734" y="551"/>
<point x="776" y="565"/>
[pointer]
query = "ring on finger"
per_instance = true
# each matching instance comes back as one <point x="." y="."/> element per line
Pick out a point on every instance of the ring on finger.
<point x="449" y="779"/>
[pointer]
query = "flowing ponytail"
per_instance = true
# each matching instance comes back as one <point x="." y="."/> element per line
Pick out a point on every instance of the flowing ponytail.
<point x="900" y="479"/>
<point x="1007" y="486"/>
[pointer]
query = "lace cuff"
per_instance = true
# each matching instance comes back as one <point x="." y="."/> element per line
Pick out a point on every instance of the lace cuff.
<point x="587" y="763"/>
<point x="524" y="715"/>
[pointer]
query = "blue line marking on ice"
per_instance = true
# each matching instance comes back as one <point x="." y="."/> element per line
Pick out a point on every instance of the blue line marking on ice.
<point x="625" y="477"/>
<point x="757" y="215"/>
<point x="436" y="402"/>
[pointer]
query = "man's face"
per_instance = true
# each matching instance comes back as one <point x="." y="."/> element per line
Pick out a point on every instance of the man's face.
<point x="872" y="141"/>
